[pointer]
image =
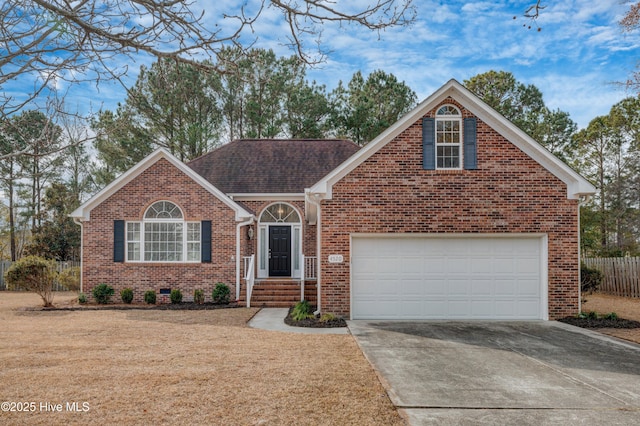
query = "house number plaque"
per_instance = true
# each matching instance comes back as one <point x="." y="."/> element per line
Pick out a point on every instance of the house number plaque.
<point x="336" y="258"/>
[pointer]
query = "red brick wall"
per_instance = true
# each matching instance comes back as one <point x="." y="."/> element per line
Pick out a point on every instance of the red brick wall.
<point x="509" y="193"/>
<point x="162" y="181"/>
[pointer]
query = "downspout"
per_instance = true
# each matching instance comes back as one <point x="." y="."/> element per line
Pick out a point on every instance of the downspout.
<point x="582" y="201"/>
<point x="315" y="200"/>
<point x="238" y="226"/>
<point x="79" y="222"/>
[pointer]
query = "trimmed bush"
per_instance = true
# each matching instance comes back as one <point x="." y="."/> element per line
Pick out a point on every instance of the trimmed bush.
<point x="198" y="296"/>
<point x="175" y="296"/>
<point x="590" y="279"/>
<point x="33" y="273"/>
<point x="102" y="293"/>
<point x="150" y="297"/>
<point x="221" y="293"/>
<point x="126" y="295"/>
<point x="301" y="311"/>
<point x="82" y="298"/>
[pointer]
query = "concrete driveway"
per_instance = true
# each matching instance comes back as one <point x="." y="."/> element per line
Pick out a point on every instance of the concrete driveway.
<point x="525" y="373"/>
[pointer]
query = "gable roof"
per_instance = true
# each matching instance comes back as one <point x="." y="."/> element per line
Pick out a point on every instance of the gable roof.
<point x="271" y="166"/>
<point x="576" y="184"/>
<point x="82" y="213"/>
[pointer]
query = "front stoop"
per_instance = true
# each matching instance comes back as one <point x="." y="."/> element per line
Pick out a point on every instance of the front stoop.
<point x="278" y="293"/>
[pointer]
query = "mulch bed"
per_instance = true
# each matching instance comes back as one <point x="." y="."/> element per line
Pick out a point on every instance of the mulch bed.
<point x="183" y="306"/>
<point x="601" y="322"/>
<point x="314" y="322"/>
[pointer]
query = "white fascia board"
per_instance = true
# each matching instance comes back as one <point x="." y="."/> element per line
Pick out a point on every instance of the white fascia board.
<point x="267" y="196"/>
<point x="576" y="185"/>
<point x="83" y="212"/>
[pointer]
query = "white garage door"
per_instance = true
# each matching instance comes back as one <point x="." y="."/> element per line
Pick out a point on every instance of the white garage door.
<point x="447" y="278"/>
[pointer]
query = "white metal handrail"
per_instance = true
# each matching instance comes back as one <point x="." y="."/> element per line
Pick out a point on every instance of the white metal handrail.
<point x="308" y="271"/>
<point x="310" y="264"/>
<point x="249" y="278"/>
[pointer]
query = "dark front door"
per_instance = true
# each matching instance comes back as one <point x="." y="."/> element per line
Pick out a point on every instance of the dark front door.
<point x="279" y="251"/>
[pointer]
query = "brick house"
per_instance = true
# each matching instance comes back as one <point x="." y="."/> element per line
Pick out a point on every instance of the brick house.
<point x="451" y="213"/>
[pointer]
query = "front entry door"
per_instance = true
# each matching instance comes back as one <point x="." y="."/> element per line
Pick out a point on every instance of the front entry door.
<point x="279" y="251"/>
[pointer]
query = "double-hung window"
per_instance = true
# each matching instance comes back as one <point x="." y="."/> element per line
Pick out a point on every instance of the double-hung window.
<point x="448" y="138"/>
<point x="163" y="236"/>
<point x="449" y="141"/>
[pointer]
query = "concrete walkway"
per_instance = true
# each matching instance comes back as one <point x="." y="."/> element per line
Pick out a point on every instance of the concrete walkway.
<point x="273" y="319"/>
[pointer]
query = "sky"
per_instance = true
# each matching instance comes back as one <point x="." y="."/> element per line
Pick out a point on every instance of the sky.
<point x="576" y="59"/>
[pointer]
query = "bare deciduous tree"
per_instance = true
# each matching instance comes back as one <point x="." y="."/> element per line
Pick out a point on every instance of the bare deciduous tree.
<point x="631" y="22"/>
<point x="47" y="42"/>
<point x="91" y="39"/>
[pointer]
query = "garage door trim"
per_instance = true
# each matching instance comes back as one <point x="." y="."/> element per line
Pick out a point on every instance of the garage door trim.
<point x="541" y="237"/>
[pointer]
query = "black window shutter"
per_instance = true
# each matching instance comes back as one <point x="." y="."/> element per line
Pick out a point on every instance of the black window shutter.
<point x="428" y="143"/>
<point x="205" y="243"/>
<point x="118" y="240"/>
<point x="470" y="144"/>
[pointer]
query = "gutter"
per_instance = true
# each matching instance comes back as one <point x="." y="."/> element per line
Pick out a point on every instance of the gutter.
<point x="315" y="200"/>
<point x="79" y="222"/>
<point x="238" y="226"/>
<point x="582" y="201"/>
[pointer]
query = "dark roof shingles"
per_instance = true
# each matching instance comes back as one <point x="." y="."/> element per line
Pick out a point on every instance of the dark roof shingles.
<point x="271" y="166"/>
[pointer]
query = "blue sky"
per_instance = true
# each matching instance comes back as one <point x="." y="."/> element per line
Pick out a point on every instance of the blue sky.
<point x="575" y="60"/>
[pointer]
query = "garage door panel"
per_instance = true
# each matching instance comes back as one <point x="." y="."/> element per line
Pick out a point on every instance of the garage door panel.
<point x="529" y="288"/>
<point x="458" y="287"/>
<point x="480" y="265"/>
<point x="482" y="287"/>
<point x="529" y="265"/>
<point x="446" y="278"/>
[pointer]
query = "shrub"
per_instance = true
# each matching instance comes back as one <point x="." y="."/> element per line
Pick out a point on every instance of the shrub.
<point x="611" y="316"/>
<point x="590" y="279"/>
<point x="33" y="273"/>
<point x="301" y="311"/>
<point x="221" y="293"/>
<point x="327" y="317"/>
<point x="198" y="296"/>
<point x="70" y="278"/>
<point x="82" y="298"/>
<point x="150" y="297"/>
<point x="175" y="296"/>
<point x="102" y="293"/>
<point x="592" y="315"/>
<point x="127" y="295"/>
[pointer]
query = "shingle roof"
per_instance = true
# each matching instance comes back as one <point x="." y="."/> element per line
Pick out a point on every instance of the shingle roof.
<point x="271" y="165"/>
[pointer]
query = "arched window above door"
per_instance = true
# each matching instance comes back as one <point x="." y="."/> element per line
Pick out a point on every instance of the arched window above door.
<point x="279" y="213"/>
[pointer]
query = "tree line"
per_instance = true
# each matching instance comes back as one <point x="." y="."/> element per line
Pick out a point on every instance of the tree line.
<point x="189" y="111"/>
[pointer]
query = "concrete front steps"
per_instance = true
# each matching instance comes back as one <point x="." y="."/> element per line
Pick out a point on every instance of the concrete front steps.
<point x="278" y="293"/>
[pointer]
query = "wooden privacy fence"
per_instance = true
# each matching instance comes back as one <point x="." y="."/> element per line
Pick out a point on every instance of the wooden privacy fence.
<point x="620" y="275"/>
<point x="5" y="264"/>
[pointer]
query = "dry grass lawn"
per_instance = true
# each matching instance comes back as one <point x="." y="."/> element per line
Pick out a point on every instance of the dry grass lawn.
<point x="624" y="307"/>
<point x="179" y="367"/>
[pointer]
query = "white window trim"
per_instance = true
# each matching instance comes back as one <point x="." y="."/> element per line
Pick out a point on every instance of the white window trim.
<point x="185" y="240"/>
<point x="449" y="117"/>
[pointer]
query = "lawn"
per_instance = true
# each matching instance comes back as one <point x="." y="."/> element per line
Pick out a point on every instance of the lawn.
<point x="178" y="367"/>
